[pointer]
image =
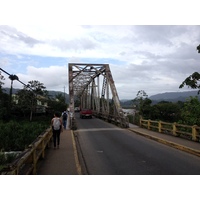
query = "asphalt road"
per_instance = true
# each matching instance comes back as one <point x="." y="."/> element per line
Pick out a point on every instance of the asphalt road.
<point x="109" y="150"/>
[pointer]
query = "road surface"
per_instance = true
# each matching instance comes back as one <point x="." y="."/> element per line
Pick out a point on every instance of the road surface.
<point x="106" y="149"/>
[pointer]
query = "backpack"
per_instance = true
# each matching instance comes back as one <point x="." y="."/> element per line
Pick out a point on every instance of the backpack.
<point x="56" y="124"/>
<point x="65" y="116"/>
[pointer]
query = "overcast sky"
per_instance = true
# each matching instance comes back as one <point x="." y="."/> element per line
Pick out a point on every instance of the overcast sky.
<point x="39" y="38"/>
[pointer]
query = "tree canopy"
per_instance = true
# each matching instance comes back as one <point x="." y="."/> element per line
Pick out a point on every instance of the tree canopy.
<point x="192" y="81"/>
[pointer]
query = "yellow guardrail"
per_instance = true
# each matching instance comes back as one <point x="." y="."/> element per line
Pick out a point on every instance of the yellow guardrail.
<point x="189" y="132"/>
<point x="26" y="162"/>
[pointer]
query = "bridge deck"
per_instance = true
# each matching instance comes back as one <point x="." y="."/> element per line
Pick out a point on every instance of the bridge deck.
<point x="63" y="161"/>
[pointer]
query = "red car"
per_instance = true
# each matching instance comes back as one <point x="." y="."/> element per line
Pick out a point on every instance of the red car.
<point x="86" y="113"/>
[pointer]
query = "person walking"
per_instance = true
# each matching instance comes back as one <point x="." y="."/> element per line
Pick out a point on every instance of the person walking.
<point x="64" y="119"/>
<point x="56" y="124"/>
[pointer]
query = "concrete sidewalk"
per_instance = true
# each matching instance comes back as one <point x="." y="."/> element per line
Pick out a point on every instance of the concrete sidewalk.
<point x="170" y="140"/>
<point x="62" y="161"/>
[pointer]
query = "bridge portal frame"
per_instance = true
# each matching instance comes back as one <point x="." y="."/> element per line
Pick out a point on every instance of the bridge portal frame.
<point x="84" y="88"/>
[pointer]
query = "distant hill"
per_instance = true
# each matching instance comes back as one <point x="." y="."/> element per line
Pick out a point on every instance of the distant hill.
<point x="174" y="96"/>
<point x="52" y="94"/>
<point x="167" y="96"/>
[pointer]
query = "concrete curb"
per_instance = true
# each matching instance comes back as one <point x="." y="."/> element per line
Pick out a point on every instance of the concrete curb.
<point x="77" y="163"/>
<point x="171" y="144"/>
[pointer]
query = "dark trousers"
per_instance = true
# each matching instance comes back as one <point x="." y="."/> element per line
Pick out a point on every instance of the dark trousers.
<point x="56" y="137"/>
<point x="64" y="123"/>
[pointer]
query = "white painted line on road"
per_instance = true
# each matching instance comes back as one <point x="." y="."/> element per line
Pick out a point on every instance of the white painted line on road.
<point x="99" y="129"/>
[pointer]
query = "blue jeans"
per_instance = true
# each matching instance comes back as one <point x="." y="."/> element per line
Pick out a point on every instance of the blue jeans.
<point x="64" y="123"/>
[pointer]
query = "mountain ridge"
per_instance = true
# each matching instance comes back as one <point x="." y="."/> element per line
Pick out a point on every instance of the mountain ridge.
<point x="51" y="93"/>
<point x="166" y="96"/>
<point x="175" y="95"/>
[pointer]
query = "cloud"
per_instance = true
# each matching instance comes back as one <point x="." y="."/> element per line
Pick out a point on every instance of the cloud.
<point x="151" y="58"/>
<point x="75" y="44"/>
<point x="10" y="34"/>
<point x="53" y="77"/>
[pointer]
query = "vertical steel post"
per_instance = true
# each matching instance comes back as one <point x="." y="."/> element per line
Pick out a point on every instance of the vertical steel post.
<point x="108" y="110"/>
<point x="71" y="99"/>
<point x="122" y="120"/>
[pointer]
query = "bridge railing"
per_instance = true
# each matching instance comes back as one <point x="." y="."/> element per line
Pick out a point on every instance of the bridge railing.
<point x="178" y="130"/>
<point x="117" y="120"/>
<point x="26" y="162"/>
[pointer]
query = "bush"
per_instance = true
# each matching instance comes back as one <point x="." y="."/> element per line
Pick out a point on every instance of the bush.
<point x="134" y="119"/>
<point x="7" y="158"/>
<point x="16" y="136"/>
<point x="2" y="159"/>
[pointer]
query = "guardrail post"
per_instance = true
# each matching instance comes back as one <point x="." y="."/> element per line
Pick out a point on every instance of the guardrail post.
<point x="42" y="145"/>
<point x="174" y="129"/>
<point x="194" y="133"/>
<point x="159" y="126"/>
<point x="34" y="162"/>
<point x="43" y="148"/>
<point x="149" y="124"/>
<point x="140" y="122"/>
<point x="50" y="138"/>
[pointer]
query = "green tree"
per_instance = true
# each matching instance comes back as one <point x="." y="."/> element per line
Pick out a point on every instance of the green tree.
<point x="192" y="81"/>
<point x="142" y="105"/>
<point x="60" y="98"/>
<point x="25" y="98"/>
<point x="4" y="101"/>
<point x="141" y="101"/>
<point x="28" y="96"/>
<point x="145" y="108"/>
<point x="190" y="112"/>
<point x="166" y="111"/>
<point x="56" y="106"/>
<point x="141" y="94"/>
<point x="4" y="105"/>
<point x="37" y="87"/>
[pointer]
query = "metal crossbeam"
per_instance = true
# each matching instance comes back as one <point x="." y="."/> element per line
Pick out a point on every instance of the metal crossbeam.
<point x="85" y="83"/>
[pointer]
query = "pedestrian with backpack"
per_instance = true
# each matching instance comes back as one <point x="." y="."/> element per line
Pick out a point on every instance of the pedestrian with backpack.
<point x="56" y="124"/>
<point x="64" y="119"/>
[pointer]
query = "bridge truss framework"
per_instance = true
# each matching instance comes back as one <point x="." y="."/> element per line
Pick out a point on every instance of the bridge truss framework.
<point x="92" y="87"/>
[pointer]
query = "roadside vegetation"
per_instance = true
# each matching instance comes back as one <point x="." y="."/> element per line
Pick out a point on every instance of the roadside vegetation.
<point x="22" y="120"/>
<point x="186" y="113"/>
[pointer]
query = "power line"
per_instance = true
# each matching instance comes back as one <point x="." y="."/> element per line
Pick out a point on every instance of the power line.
<point x="16" y="78"/>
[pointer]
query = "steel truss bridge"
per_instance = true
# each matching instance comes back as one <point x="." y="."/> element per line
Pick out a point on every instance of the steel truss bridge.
<point x="92" y="86"/>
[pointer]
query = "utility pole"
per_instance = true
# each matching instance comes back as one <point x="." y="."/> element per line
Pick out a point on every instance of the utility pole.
<point x="64" y="94"/>
<point x="12" y="78"/>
